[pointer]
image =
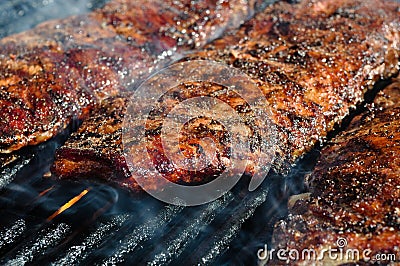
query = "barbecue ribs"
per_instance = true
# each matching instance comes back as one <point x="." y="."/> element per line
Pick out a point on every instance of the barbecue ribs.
<point x="62" y="69"/>
<point x="313" y="61"/>
<point x="354" y="190"/>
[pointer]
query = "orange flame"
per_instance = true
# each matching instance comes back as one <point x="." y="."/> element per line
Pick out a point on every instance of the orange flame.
<point x="69" y="204"/>
<point x="44" y="192"/>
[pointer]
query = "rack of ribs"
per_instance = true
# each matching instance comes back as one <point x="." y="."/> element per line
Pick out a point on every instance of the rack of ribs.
<point x="313" y="61"/>
<point x="354" y="190"/>
<point x="61" y="70"/>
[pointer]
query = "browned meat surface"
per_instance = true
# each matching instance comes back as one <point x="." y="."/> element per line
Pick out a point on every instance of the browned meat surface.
<point x="95" y="150"/>
<point x="355" y="189"/>
<point x="62" y="69"/>
<point x="313" y="61"/>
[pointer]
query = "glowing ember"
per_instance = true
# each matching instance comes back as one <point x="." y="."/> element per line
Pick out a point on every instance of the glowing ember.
<point x="69" y="204"/>
<point x="44" y="192"/>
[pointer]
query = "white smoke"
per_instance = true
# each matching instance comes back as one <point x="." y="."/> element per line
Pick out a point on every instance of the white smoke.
<point x="20" y="15"/>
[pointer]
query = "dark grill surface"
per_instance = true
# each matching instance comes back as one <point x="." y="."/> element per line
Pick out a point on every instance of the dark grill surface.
<point x="106" y="225"/>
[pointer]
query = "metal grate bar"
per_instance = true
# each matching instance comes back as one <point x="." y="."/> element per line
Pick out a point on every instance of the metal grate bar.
<point x="10" y="235"/>
<point x="77" y="253"/>
<point x="142" y="233"/>
<point x="46" y="239"/>
<point x="177" y="242"/>
<point x="210" y="249"/>
<point x="7" y="175"/>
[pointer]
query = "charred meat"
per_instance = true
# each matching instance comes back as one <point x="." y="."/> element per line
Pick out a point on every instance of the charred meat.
<point x="62" y="69"/>
<point x="313" y="61"/>
<point x="354" y="190"/>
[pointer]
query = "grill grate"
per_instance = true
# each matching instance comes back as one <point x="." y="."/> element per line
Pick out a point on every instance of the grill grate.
<point x="108" y="225"/>
<point x="102" y="232"/>
<point x="46" y="238"/>
<point x="10" y="235"/>
<point x="177" y="241"/>
<point x="142" y="233"/>
<point x="153" y="234"/>
<point x="210" y="249"/>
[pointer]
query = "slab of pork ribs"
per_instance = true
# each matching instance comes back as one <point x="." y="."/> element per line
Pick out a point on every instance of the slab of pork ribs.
<point x="313" y="61"/>
<point x="354" y="191"/>
<point x="63" y="69"/>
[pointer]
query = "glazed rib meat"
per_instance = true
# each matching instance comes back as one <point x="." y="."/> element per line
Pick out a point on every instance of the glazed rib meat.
<point x="354" y="190"/>
<point x="312" y="60"/>
<point x="62" y="69"/>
